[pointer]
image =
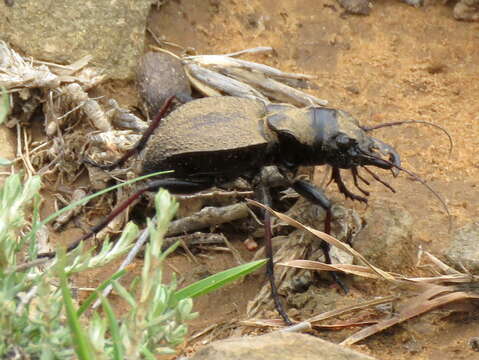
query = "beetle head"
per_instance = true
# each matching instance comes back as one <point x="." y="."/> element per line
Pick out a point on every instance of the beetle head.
<point x="347" y="145"/>
<point x="318" y="136"/>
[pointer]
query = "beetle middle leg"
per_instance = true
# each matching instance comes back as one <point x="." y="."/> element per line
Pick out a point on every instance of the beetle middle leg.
<point x="317" y="197"/>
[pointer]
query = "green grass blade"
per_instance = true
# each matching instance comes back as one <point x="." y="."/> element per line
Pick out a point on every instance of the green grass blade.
<point x="94" y="295"/>
<point x="147" y="354"/>
<point x="216" y="281"/>
<point x="114" y="329"/>
<point x="80" y="341"/>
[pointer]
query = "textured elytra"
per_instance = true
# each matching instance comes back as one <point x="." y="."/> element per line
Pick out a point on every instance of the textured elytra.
<point x="205" y="129"/>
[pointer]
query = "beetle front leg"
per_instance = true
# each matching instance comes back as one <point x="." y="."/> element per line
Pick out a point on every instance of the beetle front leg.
<point x="336" y="176"/>
<point x="317" y="197"/>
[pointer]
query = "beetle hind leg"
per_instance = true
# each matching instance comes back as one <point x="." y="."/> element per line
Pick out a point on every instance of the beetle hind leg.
<point x="265" y="197"/>
<point x="139" y="145"/>
<point x="171" y="184"/>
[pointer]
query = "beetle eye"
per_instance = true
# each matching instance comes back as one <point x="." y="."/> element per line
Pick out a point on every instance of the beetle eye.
<point x="343" y="141"/>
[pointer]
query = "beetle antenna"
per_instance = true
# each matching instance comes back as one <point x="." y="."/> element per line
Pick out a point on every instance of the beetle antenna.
<point x="395" y="123"/>
<point x="436" y="194"/>
<point x="417" y="178"/>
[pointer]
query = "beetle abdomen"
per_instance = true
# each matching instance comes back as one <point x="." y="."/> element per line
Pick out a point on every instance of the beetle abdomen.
<point x="208" y="134"/>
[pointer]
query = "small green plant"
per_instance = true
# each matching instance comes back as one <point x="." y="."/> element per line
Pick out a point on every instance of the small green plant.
<point x="39" y="318"/>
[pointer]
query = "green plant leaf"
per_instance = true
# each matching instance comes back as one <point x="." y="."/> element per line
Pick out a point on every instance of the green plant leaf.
<point x="216" y="281"/>
<point x="123" y="292"/>
<point x="5" y="162"/>
<point x="80" y="341"/>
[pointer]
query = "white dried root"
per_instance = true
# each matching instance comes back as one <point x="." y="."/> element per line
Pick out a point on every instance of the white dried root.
<point x="220" y="82"/>
<point x="114" y="140"/>
<point x="90" y="107"/>
<point x="214" y="75"/>
<point x="17" y="72"/>
<point x="208" y="217"/>
<point x="274" y="89"/>
<point x="62" y="86"/>
<point x="125" y="119"/>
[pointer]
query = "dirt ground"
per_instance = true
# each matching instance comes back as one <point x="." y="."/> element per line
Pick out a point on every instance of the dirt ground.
<point x="399" y="63"/>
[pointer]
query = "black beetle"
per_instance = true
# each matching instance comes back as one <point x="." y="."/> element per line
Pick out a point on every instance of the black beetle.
<point x="210" y="141"/>
<point x="214" y="140"/>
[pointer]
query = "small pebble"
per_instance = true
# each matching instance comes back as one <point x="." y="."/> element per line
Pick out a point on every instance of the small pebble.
<point x="160" y="76"/>
<point x="250" y="244"/>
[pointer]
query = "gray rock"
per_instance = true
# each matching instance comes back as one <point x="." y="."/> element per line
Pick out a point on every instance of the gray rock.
<point x="464" y="249"/>
<point x="363" y="7"/>
<point x="467" y="10"/>
<point x="386" y="239"/>
<point x="278" y="346"/>
<point x="358" y="7"/>
<point x="65" y="31"/>
<point x="159" y="77"/>
<point x="415" y="3"/>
